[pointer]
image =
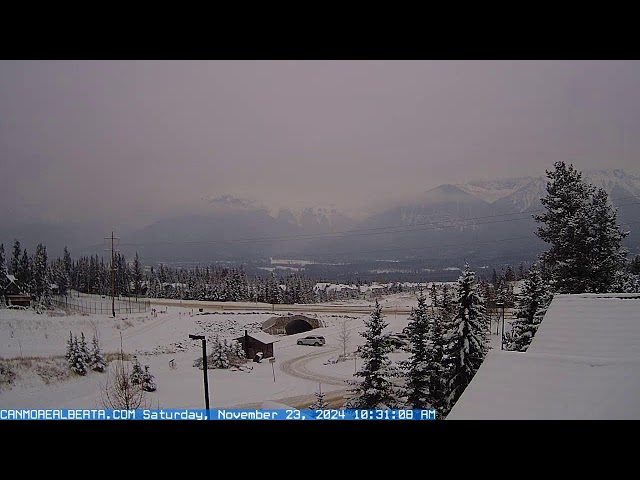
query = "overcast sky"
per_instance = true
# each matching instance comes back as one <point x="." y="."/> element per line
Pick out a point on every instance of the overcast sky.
<point x="136" y="140"/>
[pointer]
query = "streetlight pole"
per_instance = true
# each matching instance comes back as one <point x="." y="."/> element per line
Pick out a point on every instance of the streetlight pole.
<point x="204" y="367"/>
<point x="501" y="305"/>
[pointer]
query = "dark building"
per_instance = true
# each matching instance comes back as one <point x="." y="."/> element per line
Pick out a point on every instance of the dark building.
<point x="252" y="343"/>
<point x="14" y="294"/>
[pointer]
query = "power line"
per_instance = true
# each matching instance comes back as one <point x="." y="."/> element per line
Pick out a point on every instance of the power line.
<point x="113" y="275"/>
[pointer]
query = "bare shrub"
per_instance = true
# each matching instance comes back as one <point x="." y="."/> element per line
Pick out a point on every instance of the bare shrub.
<point x="7" y="375"/>
<point x="119" y="392"/>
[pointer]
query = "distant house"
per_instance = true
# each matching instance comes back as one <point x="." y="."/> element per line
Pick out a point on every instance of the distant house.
<point x="14" y="294"/>
<point x="255" y="342"/>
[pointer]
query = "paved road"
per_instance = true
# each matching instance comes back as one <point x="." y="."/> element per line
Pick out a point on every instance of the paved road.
<point x="314" y="307"/>
<point x="297" y="367"/>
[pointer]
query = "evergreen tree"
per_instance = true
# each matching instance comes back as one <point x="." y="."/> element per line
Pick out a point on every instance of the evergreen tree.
<point x="24" y="272"/>
<point x="509" y="275"/>
<point x="626" y="282"/>
<point x="448" y="303"/>
<point x="532" y="304"/>
<point x="376" y="389"/>
<point x="467" y="340"/>
<point x="59" y="276"/>
<point x="320" y="402"/>
<point x="83" y="349"/>
<point x="148" y="380"/>
<point x="634" y="266"/>
<point x="15" y="259"/>
<point x="137" y="375"/>
<point x="67" y="263"/>
<point x="40" y="281"/>
<point x="237" y="352"/>
<point x="3" y="263"/>
<point x="606" y="256"/>
<point x="96" y="358"/>
<point x="70" y="348"/>
<point x="434" y="295"/>
<point x="520" y="272"/>
<point x="581" y="228"/>
<point x="437" y="374"/>
<point x="77" y="360"/>
<point x="137" y="275"/>
<point x="219" y="357"/>
<point x="418" y="366"/>
<point x="3" y="269"/>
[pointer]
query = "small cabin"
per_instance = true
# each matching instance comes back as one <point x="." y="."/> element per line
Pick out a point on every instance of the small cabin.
<point x="255" y="342"/>
<point x="14" y="294"/>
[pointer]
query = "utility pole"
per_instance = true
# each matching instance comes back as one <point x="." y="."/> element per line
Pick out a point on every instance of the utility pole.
<point x="113" y="277"/>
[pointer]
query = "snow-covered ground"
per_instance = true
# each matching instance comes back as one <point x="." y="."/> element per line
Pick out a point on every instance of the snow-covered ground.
<point x="163" y="343"/>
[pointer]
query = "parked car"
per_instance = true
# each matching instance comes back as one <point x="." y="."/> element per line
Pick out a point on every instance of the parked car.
<point x="315" y="340"/>
<point x="395" y="340"/>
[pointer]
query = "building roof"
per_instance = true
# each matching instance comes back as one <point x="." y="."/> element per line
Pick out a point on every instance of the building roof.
<point x="583" y="363"/>
<point x="11" y="278"/>
<point x="261" y="337"/>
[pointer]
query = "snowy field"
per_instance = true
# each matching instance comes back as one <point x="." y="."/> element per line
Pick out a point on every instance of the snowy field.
<point x="162" y="342"/>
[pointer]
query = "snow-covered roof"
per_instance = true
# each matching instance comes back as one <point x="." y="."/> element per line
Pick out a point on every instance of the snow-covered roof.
<point x="11" y="278"/>
<point x="261" y="337"/>
<point x="583" y="363"/>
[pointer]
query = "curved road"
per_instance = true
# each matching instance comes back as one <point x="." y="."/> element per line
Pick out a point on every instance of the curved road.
<point x="297" y="367"/>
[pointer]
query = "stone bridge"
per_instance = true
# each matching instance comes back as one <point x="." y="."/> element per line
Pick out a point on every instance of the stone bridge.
<point x="290" y="324"/>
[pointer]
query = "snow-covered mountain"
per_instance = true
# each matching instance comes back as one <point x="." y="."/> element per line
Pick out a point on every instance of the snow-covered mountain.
<point x="617" y="183"/>
<point x="479" y="220"/>
<point x="524" y="199"/>
<point x="317" y="219"/>
<point x="492" y="190"/>
<point x="522" y="194"/>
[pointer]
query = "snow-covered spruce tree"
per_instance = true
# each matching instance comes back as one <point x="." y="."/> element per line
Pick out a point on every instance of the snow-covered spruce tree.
<point x="218" y="357"/>
<point x="40" y="280"/>
<point x="148" y="380"/>
<point x="77" y="361"/>
<point x="447" y="303"/>
<point x="467" y="338"/>
<point x="433" y="292"/>
<point x="626" y="282"/>
<point x="24" y="273"/>
<point x="320" y="402"/>
<point x="581" y="228"/>
<point x="70" y="349"/>
<point x="437" y="397"/>
<point x="417" y="367"/>
<point x="376" y="389"/>
<point x="137" y="374"/>
<point x="237" y="353"/>
<point x="606" y="255"/>
<point x="97" y="360"/>
<point x="3" y="271"/>
<point x="533" y="301"/>
<point x="84" y="349"/>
